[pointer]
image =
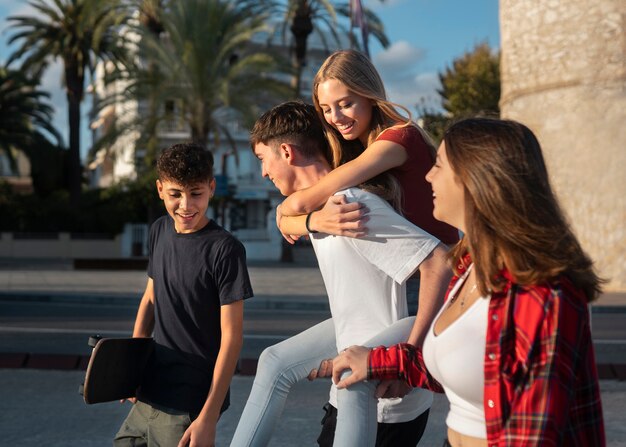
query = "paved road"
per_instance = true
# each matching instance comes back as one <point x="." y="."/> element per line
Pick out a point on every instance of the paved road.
<point x="42" y="408"/>
<point x="61" y="327"/>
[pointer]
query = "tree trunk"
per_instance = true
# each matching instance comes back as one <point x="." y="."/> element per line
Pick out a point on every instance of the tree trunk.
<point x="74" y="85"/>
<point x="150" y="137"/>
<point x="301" y="28"/>
<point x="297" y="79"/>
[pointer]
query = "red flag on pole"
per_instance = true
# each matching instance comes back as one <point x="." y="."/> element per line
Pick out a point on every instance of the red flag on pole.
<point x="358" y="20"/>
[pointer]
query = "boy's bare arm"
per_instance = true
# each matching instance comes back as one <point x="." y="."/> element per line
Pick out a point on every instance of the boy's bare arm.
<point x="435" y="276"/>
<point x="202" y="431"/>
<point x="144" y="322"/>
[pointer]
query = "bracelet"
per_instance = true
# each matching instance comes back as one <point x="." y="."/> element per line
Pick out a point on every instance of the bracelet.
<point x="306" y="223"/>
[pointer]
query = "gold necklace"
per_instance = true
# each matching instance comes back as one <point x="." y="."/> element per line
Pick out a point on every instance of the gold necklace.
<point x="465" y="295"/>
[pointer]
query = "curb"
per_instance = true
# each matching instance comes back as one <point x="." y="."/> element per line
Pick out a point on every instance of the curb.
<point x="259" y="302"/>
<point x="71" y="297"/>
<point x="245" y="366"/>
<point x="69" y="362"/>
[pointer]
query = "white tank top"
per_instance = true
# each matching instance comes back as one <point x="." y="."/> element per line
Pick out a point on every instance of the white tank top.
<point x="455" y="358"/>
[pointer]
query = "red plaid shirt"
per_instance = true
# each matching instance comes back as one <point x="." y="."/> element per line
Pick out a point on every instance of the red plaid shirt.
<point x="541" y="383"/>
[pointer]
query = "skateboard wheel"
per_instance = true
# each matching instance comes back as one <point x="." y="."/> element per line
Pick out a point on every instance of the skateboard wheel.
<point x="93" y="340"/>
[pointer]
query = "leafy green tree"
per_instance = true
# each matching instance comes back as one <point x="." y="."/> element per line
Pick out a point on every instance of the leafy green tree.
<point x="26" y="125"/>
<point x="78" y="32"/>
<point x="472" y="84"/>
<point x="434" y="123"/>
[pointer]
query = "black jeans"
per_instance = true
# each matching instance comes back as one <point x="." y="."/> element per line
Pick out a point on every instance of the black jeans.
<point x="401" y="434"/>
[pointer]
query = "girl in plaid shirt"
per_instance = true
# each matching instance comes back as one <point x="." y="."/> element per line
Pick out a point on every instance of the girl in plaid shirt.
<point x="520" y="293"/>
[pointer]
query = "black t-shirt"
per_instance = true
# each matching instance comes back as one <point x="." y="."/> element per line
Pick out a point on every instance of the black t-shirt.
<point x="193" y="275"/>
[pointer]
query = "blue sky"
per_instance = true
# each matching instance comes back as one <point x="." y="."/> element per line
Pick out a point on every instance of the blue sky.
<point x="425" y="35"/>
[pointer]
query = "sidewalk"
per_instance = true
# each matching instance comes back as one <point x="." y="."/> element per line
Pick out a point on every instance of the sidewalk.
<point x="42" y="406"/>
<point x="297" y="286"/>
<point x="276" y="285"/>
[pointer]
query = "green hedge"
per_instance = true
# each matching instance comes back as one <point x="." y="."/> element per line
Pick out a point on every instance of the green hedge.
<point x="100" y="211"/>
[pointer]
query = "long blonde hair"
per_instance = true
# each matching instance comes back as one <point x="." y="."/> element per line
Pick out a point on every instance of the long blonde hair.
<point x="512" y="216"/>
<point x="358" y="74"/>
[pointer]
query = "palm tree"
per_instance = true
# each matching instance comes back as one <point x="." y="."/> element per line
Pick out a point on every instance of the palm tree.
<point x="23" y="114"/>
<point x="205" y="62"/>
<point x="374" y="25"/>
<point x="26" y="125"/>
<point x="150" y="17"/>
<point x="304" y="17"/>
<point x="78" y="32"/>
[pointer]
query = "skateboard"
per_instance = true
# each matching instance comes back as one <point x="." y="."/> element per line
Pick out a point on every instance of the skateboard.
<point x="115" y="368"/>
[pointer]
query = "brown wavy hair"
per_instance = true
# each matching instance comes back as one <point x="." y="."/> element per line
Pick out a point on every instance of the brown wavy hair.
<point x="358" y="74"/>
<point x="512" y="216"/>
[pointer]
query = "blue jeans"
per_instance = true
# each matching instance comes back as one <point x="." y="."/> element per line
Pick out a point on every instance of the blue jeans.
<point x="282" y="365"/>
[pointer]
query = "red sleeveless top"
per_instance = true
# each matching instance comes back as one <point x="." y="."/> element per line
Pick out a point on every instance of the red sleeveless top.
<point x="417" y="195"/>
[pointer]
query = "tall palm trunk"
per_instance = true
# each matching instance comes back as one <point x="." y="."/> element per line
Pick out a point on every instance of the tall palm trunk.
<point x="200" y="135"/>
<point x="150" y="17"/>
<point x="301" y="28"/>
<point x="74" y="82"/>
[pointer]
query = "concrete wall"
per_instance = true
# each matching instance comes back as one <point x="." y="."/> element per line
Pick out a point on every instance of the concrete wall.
<point x="58" y="246"/>
<point x="62" y="246"/>
<point x="563" y="71"/>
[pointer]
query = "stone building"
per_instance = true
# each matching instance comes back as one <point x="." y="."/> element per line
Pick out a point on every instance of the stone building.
<point x="563" y="69"/>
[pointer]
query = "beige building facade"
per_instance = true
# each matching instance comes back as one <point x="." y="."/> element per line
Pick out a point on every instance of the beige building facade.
<point x="563" y="71"/>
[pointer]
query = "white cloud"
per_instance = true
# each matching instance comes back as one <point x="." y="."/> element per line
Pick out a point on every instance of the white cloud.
<point x="376" y="5"/>
<point x="398" y="66"/>
<point x="399" y="57"/>
<point x="416" y="90"/>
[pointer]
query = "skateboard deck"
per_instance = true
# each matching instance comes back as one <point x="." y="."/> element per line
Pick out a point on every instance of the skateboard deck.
<point x="115" y="368"/>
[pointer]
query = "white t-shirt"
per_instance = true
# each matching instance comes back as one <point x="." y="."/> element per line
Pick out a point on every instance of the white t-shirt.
<point x="365" y="282"/>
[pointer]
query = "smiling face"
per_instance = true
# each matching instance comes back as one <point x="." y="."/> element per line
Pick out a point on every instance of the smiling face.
<point x="275" y="166"/>
<point x="187" y="205"/>
<point x="349" y="113"/>
<point x="448" y="192"/>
